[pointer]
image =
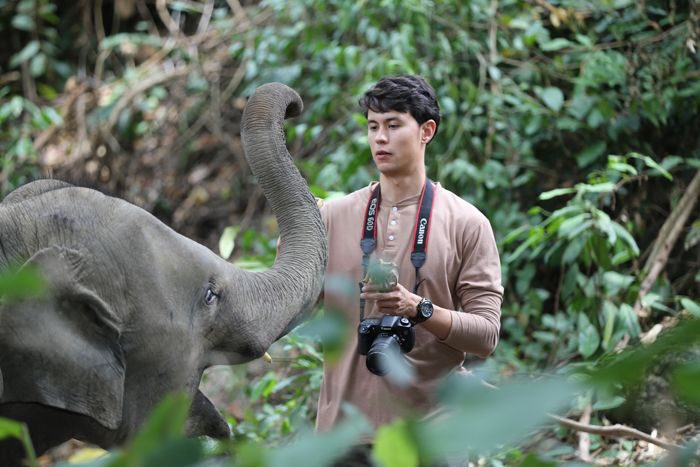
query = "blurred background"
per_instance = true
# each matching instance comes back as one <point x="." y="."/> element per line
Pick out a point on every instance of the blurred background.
<point x="573" y="125"/>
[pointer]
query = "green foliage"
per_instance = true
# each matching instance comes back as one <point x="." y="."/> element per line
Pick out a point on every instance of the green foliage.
<point x="593" y="255"/>
<point x="283" y="400"/>
<point x="12" y="429"/>
<point x="587" y="109"/>
<point x="21" y="283"/>
<point x="160" y="441"/>
<point x="19" y="159"/>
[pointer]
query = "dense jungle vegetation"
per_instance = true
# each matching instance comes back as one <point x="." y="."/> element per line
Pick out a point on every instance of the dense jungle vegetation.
<point x="573" y="125"/>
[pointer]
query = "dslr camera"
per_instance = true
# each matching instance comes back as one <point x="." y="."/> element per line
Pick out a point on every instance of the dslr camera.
<point x="378" y="338"/>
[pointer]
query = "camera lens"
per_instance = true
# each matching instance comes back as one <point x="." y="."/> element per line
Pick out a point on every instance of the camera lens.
<point x="383" y="352"/>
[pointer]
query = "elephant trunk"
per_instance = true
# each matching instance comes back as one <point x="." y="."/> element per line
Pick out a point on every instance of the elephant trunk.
<point x="278" y="297"/>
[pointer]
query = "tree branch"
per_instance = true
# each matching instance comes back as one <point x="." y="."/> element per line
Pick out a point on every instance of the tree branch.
<point x="666" y="239"/>
<point x="613" y="430"/>
<point x="584" y="441"/>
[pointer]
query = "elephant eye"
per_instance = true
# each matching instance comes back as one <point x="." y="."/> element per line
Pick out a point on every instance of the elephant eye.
<point x="210" y="297"/>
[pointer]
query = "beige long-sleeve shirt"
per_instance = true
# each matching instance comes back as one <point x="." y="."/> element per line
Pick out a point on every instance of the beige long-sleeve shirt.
<point x="462" y="272"/>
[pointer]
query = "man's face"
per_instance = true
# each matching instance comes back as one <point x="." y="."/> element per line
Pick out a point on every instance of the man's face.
<point x="397" y="141"/>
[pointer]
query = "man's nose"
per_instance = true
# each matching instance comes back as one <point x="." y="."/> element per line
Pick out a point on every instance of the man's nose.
<point x="381" y="136"/>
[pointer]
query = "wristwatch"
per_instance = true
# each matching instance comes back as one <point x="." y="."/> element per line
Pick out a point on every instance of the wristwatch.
<point x="424" y="310"/>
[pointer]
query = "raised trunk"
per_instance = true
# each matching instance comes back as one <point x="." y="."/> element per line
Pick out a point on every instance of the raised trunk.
<point x="278" y="297"/>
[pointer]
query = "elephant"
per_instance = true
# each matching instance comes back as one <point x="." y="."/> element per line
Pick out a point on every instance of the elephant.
<point x="133" y="310"/>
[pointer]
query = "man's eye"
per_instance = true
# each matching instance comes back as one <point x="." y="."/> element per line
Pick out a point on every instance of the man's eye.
<point x="210" y="297"/>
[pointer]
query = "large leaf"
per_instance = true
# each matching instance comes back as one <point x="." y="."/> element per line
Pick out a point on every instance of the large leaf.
<point x="394" y="446"/>
<point x="312" y="449"/>
<point x="506" y="415"/>
<point x="686" y="381"/>
<point x="161" y="435"/>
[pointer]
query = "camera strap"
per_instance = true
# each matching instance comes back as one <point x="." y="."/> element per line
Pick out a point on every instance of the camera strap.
<point x="368" y="242"/>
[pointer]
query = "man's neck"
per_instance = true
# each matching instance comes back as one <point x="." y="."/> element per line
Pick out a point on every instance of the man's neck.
<point x="397" y="188"/>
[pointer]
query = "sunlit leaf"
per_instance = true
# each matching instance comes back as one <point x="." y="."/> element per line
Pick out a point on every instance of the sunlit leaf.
<point x="227" y="242"/>
<point x="86" y="454"/>
<point x="26" y="282"/>
<point x="394" y="446"/>
<point x="691" y="306"/>
<point x="10" y="428"/>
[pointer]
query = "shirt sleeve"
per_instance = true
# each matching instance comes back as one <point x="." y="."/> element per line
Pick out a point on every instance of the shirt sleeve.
<point x="475" y="328"/>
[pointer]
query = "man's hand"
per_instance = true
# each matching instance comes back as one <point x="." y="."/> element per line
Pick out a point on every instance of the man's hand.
<point x="398" y="301"/>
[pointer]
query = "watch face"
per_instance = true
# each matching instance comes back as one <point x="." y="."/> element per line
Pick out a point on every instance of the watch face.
<point x="425" y="308"/>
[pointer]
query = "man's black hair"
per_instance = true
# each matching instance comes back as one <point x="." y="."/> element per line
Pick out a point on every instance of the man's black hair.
<point x="403" y="93"/>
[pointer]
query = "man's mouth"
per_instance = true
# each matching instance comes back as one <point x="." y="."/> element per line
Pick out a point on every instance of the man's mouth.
<point x="383" y="153"/>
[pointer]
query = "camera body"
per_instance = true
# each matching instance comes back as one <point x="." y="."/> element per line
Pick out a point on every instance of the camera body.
<point x="378" y="337"/>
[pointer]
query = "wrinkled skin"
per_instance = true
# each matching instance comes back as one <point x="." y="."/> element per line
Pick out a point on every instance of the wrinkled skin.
<point x="134" y="310"/>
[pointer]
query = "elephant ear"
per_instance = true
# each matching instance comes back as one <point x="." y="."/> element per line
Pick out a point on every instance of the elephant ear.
<point x="62" y="350"/>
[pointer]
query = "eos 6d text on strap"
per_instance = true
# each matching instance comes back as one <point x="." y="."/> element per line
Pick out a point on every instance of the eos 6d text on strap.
<point x="368" y="243"/>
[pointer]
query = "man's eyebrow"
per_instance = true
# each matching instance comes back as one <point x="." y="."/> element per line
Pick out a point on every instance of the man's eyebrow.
<point x="388" y="119"/>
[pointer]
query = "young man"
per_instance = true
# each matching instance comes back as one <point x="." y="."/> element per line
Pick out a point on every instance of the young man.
<point x="453" y="298"/>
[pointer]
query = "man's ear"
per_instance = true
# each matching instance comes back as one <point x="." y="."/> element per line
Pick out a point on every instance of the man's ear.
<point x="63" y="350"/>
<point x="427" y="131"/>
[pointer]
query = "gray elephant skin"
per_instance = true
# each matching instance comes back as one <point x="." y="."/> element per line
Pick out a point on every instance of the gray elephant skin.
<point x="134" y="310"/>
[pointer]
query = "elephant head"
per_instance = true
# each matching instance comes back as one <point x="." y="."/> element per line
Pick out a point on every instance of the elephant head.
<point x="134" y="310"/>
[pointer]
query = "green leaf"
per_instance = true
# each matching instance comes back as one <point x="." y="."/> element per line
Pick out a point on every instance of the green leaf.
<point x="394" y="446"/>
<point x="23" y="23"/>
<point x="615" y="282"/>
<point x="573" y="225"/>
<point x="264" y="387"/>
<point x="590" y="154"/>
<point x="10" y="428"/>
<point x="573" y="250"/>
<point x="651" y="163"/>
<point x="556" y="192"/>
<point x="629" y="367"/>
<point x="626" y="237"/>
<point x="552" y="97"/>
<point x="588" y="337"/>
<point x="609" y="313"/>
<point x="227" y="242"/>
<point x="506" y="415"/>
<point x="312" y="449"/>
<point x="37" y="65"/>
<point x="178" y="452"/>
<point x="556" y="44"/>
<point x="14" y="429"/>
<point x="165" y="424"/>
<point x="26" y="282"/>
<point x="685" y="380"/>
<point x="608" y="401"/>
<point x="28" y="52"/>
<point x="605" y="187"/>
<point x="691" y="306"/>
